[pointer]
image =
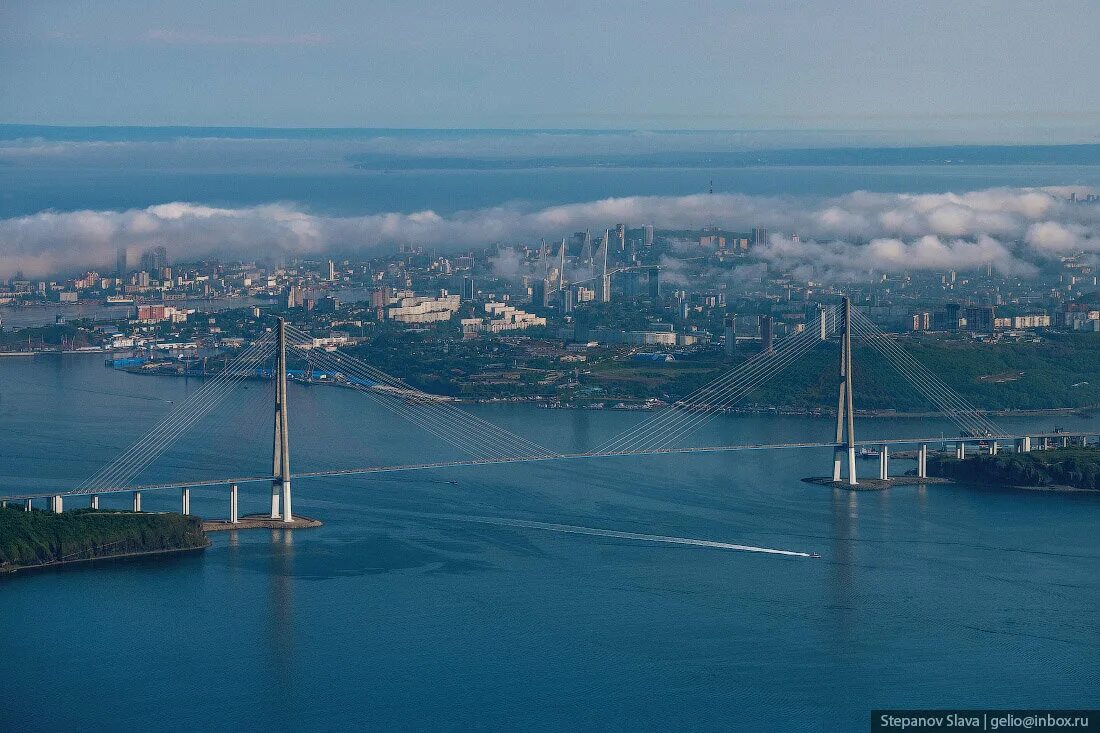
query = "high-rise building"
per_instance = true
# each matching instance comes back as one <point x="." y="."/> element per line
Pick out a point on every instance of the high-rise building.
<point x="952" y="310"/>
<point x="605" y="277"/>
<point x="759" y="236"/>
<point x="654" y="284"/>
<point x="620" y="234"/>
<point x="730" y="337"/>
<point x="467" y="288"/>
<point x="766" y="334"/>
<point x="561" y="267"/>
<point x="154" y="260"/>
<point x="331" y="271"/>
<point x="586" y="249"/>
<point x="979" y="319"/>
<point x="122" y="266"/>
<point x="648" y="235"/>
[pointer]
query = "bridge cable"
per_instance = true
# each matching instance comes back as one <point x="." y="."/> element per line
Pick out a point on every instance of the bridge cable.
<point x="473" y="434"/>
<point x="439" y="405"/>
<point x="960" y="405"/>
<point x="700" y="400"/>
<point x="155" y="441"/>
<point x="753" y="372"/>
<point x="935" y="390"/>
<point x="464" y="435"/>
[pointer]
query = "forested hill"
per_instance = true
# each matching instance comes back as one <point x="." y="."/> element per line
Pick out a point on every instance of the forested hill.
<point x="1075" y="467"/>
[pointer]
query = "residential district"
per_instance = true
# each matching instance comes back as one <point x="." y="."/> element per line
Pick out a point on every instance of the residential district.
<point x="622" y="317"/>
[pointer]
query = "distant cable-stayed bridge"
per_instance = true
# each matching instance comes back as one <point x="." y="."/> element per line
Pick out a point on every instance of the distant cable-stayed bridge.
<point x="483" y="443"/>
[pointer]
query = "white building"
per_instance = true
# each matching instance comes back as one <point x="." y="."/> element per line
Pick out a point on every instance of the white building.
<point x="501" y="317"/>
<point x="423" y="309"/>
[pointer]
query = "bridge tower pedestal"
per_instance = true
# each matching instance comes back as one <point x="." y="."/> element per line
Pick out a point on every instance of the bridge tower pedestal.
<point x="280" y="468"/>
<point x="884" y="463"/>
<point x="845" y="420"/>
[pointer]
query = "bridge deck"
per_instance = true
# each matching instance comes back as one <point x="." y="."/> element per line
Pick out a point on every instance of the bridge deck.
<point x="531" y="459"/>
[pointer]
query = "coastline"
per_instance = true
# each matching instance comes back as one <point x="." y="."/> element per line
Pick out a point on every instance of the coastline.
<point x="13" y="569"/>
<point x="643" y="405"/>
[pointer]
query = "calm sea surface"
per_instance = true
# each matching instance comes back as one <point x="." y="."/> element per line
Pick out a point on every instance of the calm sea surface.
<point x="423" y="604"/>
<point x="347" y="191"/>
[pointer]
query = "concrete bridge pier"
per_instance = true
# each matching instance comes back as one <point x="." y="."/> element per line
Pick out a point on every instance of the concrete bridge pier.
<point x="1023" y="445"/>
<point x="960" y="450"/>
<point x="922" y="461"/>
<point x="993" y="447"/>
<point x="884" y="463"/>
<point x="28" y="504"/>
<point x="93" y="503"/>
<point x="56" y="505"/>
<point x="1065" y="441"/>
<point x="185" y="496"/>
<point x="137" y="501"/>
<point x="234" y="518"/>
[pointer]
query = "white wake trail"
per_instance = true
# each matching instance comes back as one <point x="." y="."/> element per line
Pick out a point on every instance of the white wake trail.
<point x="597" y="532"/>
<point x="574" y="529"/>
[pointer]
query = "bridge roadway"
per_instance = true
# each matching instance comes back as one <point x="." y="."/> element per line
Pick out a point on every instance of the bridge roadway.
<point x="540" y="458"/>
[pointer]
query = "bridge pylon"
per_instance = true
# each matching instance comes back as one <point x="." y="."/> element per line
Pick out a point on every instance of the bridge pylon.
<point x="845" y="419"/>
<point x="280" y="454"/>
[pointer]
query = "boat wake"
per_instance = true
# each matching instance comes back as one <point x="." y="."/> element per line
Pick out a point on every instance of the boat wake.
<point x="598" y="532"/>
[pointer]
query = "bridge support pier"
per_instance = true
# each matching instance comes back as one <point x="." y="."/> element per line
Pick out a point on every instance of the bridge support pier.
<point x="1065" y="441"/>
<point x="28" y="504"/>
<point x="233" y="517"/>
<point x="1023" y="445"/>
<point x="993" y="447"/>
<point x="185" y="496"/>
<point x="288" y="514"/>
<point x="922" y="461"/>
<point x="884" y="463"/>
<point x="56" y="504"/>
<point x="137" y="501"/>
<point x="960" y="450"/>
<point x="93" y="503"/>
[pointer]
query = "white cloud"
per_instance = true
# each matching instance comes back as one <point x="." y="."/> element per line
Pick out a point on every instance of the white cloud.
<point x="856" y="233"/>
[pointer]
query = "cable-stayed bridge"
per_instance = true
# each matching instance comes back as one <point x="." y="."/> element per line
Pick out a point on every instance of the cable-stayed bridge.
<point x="480" y="442"/>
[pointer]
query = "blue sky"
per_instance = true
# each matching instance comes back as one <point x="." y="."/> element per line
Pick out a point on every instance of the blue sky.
<point x="943" y="66"/>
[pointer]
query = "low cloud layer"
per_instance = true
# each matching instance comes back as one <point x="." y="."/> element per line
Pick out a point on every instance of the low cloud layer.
<point x="848" y="236"/>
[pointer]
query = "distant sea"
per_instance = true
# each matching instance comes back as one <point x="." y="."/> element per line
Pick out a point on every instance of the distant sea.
<point x="356" y="172"/>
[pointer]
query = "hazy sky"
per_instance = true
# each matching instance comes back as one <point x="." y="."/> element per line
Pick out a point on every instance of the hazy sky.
<point x="931" y="64"/>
